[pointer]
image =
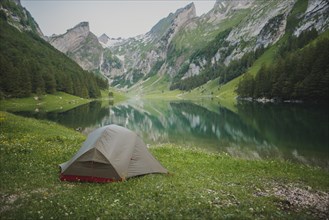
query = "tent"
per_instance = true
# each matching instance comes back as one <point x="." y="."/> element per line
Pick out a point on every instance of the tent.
<point x="110" y="153"/>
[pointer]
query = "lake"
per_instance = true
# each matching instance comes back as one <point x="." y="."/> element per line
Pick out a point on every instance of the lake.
<point x="294" y="132"/>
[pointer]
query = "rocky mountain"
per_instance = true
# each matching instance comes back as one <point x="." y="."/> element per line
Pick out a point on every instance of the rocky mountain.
<point x="142" y="55"/>
<point x="106" y="41"/>
<point x="90" y="52"/>
<point x="186" y="45"/>
<point x="183" y="45"/>
<point x="79" y="44"/>
<point x="17" y="16"/>
<point x="233" y="28"/>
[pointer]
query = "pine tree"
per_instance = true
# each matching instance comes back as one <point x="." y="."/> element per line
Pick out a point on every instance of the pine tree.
<point x="25" y="83"/>
<point x="50" y="82"/>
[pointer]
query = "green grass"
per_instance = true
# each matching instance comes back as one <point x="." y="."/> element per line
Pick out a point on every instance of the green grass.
<point x="201" y="185"/>
<point x="59" y="101"/>
<point x="155" y="87"/>
<point x="118" y="96"/>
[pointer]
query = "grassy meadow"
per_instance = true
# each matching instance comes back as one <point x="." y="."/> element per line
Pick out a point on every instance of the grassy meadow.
<point x="200" y="185"/>
<point x="59" y="102"/>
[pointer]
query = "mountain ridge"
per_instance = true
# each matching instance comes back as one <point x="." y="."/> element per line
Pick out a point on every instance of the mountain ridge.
<point x="190" y="48"/>
<point x="179" y="45"/>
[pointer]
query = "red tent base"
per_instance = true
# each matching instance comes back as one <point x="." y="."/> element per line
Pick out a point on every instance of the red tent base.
<point x="93" y="179"/>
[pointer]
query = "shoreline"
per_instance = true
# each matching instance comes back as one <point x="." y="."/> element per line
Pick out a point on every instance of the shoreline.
<point x="201" y="184"/>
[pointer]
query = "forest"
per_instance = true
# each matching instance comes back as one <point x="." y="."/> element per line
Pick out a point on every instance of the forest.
<point x="29" y="65"/>
<point x="299" y="73"/>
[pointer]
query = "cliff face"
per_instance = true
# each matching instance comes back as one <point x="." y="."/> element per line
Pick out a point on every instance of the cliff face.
<point x="81" y="45"/>
<point x="90" y="52"/>
<point x="264" y="23"/>
<point x="316" y="16"/>
<point x="183" y="16"/>
<point x="72" y="39"/>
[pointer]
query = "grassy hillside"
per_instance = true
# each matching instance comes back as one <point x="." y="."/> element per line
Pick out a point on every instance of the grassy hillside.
<point x="201" y="185"/>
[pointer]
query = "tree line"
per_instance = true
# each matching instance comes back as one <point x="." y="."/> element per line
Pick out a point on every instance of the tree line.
<point x="30" y="65"/>
<point x="297" y="74"/>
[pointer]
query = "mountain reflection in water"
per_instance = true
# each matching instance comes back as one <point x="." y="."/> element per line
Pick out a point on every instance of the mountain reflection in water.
<point x="256" y="131"/>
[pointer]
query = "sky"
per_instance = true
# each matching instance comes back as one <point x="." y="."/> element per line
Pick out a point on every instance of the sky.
<point x="125" y="18"/>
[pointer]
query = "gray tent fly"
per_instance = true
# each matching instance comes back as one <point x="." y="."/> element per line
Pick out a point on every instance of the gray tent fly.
<point x="110" y="153"/>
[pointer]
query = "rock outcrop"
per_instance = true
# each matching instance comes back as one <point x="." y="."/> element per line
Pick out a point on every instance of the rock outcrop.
<point x="316" y="16"/>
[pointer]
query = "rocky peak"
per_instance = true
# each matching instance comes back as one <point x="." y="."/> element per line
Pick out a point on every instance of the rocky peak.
<point x="81" y="28"/>
<point x="181" y="17"/>
<point x="223" y="8"/>
<point x="103" y="38"/>
<point x="108" y="42"/>
<point x="71" y="39"/>
<point x="184" y="14"/>
<point x="81" y="45"/>
<point x="232" y="4"/>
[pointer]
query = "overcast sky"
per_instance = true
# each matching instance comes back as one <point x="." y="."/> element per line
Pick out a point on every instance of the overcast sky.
<point x="115" y="18"/>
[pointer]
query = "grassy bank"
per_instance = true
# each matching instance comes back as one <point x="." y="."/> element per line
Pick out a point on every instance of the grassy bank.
<point x="201" y="185"/>
<point x="117" y="97"/>
<point x="155" y="87"/>
<point x="59" y="101"/>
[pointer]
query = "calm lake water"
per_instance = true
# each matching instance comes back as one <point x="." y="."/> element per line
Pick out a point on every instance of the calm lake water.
<point x="294" y="132"/>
